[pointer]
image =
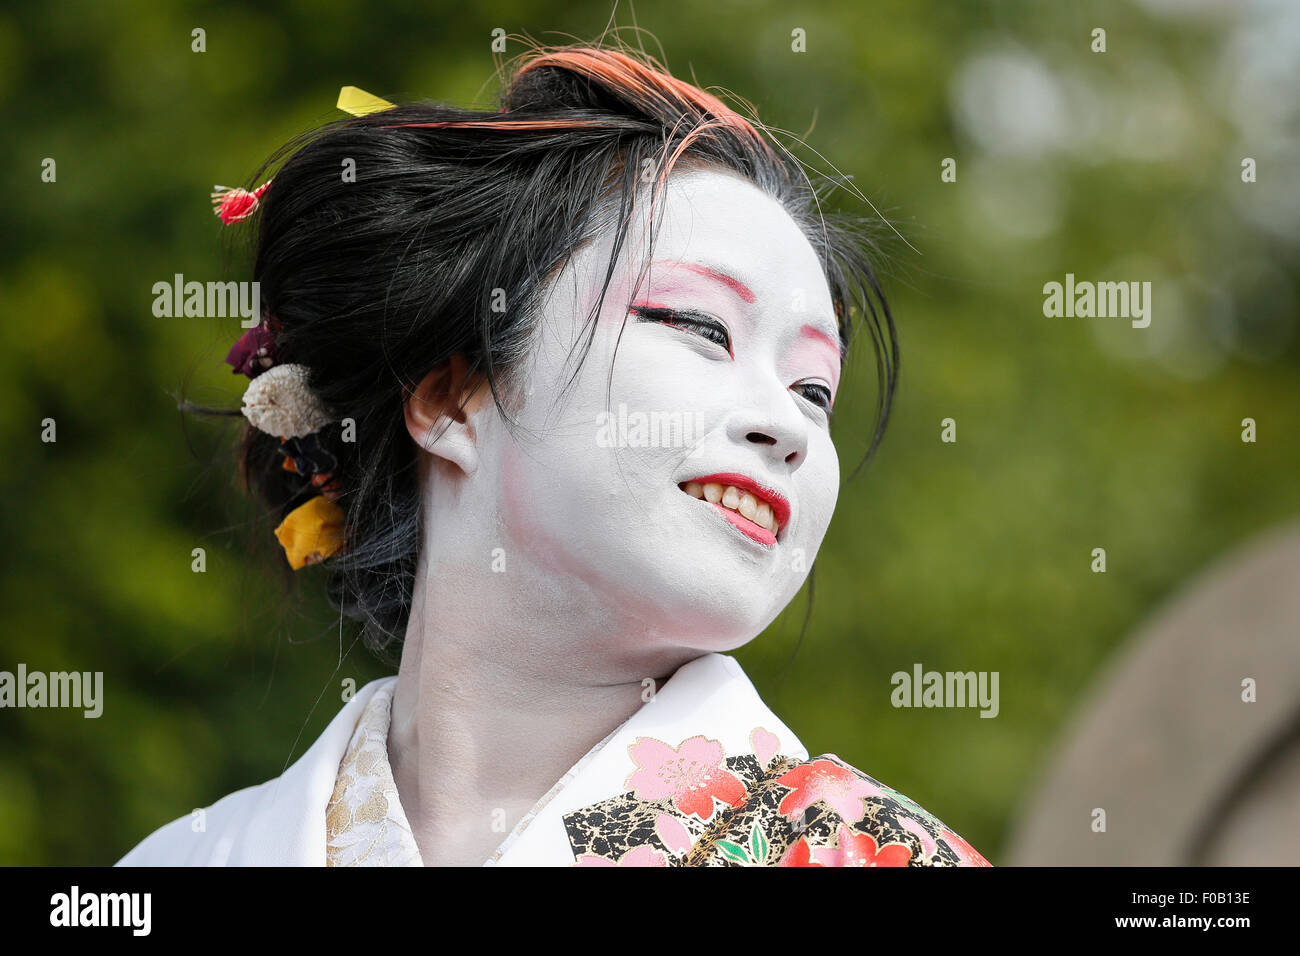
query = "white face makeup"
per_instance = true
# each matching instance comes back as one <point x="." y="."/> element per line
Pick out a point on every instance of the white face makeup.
<point x="729" y="356"/>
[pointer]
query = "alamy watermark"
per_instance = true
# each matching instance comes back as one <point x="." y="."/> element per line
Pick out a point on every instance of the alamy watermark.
<point x="923" y="688"/>
<point x="1085" y="300"/>
<point x="83" y="691"/>
<point x="654" y="429"/>
<point x="130" y="910"/>
<point x="195" y="299"/>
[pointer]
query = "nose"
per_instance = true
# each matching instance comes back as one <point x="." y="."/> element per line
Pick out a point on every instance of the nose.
<point x="776" y="423"/>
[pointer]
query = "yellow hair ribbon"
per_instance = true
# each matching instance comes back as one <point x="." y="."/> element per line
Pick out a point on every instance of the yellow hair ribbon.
<point x="359" y="102"/>
<point x="311" y="532"/>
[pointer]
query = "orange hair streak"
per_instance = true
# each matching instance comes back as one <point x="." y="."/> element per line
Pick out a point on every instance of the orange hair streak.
<point x="656" y="89"/>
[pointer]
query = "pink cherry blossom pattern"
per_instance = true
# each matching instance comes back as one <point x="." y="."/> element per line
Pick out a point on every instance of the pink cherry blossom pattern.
<point x="764" y="744"/>
<point x="928" y="846"/>
<point x="693" y="775"/>
<point x="637" y="856"/>
<point x="674" y="834"/>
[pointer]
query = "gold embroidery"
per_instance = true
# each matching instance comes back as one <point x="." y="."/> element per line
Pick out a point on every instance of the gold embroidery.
<point x="364" y="822"/>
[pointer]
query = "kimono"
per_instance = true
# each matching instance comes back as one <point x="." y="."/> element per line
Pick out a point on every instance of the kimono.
<point x="703" y="774"/>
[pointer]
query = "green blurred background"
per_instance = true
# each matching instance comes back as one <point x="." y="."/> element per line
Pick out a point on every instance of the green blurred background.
<point x="1072" y="433"/>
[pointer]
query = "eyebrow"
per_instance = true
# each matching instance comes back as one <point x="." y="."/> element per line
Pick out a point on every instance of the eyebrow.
<point x="731" y="282"/>
<point x="835" y="341"/>
<point x="816" y="334"/>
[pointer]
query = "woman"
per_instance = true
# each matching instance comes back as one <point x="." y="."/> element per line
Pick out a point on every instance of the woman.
<point x="550" y="389"/>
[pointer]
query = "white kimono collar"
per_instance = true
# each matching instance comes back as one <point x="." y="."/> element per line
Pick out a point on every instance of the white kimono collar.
<point x="707" y="708"/>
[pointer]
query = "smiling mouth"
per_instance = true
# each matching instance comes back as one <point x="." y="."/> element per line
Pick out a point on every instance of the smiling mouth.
<point x="756" y="512"/>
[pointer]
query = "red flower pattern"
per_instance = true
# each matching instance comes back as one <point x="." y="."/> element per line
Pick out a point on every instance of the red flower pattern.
<point x="969" y="855"/>
<point x="825" y="780"/>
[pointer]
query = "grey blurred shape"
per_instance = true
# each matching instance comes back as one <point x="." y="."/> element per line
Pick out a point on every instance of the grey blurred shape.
<point x="1188" y="773"/>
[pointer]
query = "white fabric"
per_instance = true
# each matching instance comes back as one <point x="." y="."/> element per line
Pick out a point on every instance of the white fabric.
<point x="365" y="823"/>
<point x="282" y="822"/>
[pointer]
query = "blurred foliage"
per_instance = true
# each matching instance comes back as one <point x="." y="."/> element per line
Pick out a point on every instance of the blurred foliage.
<point x="1072" y="433"/>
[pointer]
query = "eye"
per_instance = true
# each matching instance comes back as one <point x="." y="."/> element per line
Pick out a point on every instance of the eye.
<point x="695" y="322"/>
<point x="819" y="395"/>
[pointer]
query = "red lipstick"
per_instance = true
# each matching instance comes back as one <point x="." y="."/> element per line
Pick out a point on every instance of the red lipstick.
<point x="774" y="499"/>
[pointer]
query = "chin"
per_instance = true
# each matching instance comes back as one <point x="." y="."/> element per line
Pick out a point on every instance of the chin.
<point x="713" y="613"/>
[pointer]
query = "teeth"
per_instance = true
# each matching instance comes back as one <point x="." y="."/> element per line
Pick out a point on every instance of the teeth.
<point x="729" y="496"/>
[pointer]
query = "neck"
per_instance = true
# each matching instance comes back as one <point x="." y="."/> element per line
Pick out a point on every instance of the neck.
<point x="500" y="692"/>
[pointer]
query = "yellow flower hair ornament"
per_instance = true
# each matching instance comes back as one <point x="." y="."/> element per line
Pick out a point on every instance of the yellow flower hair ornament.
<point x="311" y="532"/>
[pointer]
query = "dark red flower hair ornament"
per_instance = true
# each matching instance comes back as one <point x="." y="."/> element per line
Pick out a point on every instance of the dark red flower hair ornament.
<point x="254" y="353"/>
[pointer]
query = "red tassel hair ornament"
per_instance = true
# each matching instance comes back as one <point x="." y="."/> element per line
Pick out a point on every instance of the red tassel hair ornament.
<point x="235" y="205"/>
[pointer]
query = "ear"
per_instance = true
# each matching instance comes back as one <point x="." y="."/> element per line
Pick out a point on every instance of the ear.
<point x="435" y="419"/>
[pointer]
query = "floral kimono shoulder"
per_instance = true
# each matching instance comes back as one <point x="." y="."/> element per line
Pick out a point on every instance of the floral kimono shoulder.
<point x="692" y="805"/>
<point x="703" y="774"/>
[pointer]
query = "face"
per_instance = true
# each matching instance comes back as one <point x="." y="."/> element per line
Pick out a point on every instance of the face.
<point x="688" y="480"/>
